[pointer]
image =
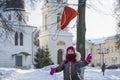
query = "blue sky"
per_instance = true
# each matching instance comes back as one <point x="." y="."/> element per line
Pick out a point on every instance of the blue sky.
<point x="99" y="19"/>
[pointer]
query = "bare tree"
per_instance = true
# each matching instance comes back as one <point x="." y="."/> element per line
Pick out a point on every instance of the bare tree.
<point x="117" y="13"/>
<point x="7" y="26"/>
<point x="36" y="40"/>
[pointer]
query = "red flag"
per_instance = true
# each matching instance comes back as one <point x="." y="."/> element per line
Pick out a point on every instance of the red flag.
<point x="67" y="15"/>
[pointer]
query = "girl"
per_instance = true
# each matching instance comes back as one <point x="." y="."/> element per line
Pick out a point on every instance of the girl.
<point x="68" y="66"/>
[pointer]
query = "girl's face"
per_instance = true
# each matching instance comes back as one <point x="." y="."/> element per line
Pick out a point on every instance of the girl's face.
<point x="70" y="51"/>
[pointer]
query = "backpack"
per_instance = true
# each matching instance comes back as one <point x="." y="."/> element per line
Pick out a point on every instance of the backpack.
<point x="78" y="67"/>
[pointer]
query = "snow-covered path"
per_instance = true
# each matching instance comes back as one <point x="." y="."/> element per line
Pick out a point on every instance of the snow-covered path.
<point x="43" y="74"/>
<point x="96" y="74"/>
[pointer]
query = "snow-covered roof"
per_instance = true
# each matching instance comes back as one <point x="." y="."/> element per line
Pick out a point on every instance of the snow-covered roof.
<point x="102" y="40"/>
<point x="97" y="41"/>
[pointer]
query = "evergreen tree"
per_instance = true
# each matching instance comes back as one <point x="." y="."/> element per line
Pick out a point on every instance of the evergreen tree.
<point x="42" y="58"/>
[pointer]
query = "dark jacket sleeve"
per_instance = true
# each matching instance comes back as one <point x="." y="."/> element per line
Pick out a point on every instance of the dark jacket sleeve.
<point x="82" y="63"/>
<point x="60" y="67"/>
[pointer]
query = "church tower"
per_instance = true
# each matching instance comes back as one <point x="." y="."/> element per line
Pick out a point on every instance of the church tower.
<point x="51" y="36"/>
<point x="14" y="11"/>
<point x="16" y="48"/>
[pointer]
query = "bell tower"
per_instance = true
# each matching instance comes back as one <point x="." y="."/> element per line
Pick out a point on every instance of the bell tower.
<point x="14" y="11"/>
<point x="51" y="36"/>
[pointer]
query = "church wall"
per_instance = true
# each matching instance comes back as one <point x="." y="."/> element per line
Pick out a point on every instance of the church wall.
<point x="50" y="33"/>
<point x="54" y="47"/>
<point x="8" y="49"/>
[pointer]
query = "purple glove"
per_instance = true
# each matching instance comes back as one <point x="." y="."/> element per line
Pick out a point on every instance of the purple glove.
<point x="89" y="58"/>
<point x="52" y="71"/>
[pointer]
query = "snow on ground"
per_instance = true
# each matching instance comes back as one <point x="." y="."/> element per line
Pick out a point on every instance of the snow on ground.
<point x="43" y="74"/>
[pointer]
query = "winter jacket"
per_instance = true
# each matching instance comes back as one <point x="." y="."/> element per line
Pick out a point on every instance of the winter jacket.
<point x="69" y="70"/>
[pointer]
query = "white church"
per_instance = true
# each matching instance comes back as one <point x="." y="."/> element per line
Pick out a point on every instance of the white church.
<point x="16" y="48"/>
<point x="51" y="36"/>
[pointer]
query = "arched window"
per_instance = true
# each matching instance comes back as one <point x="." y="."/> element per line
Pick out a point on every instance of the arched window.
<point x="9" y="17"/>
<point x="60" y="56"/>
<point x="27" y="18"/>
<point x="45" y="22"/>
<point x="59" y="1"/>
<point x="19" y="17"/>
<point x="46" y="1"/>
<point x="16" y="38"/>
<point x="21" y="38"/>
<point x="60" y="42"/>
<point x="58" y="20"/>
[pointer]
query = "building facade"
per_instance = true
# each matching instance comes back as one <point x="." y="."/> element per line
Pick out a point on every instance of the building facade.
<point x="104" y="50"/>
<point x="51" y="36"/>
<point x="15" y="35"/>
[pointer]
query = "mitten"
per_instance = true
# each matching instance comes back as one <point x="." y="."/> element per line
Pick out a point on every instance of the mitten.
<point x="52" y="71"/>
<point x="89" y="58"/>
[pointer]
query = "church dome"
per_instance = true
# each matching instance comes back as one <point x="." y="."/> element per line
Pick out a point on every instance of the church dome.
<point x="15" y="5"/>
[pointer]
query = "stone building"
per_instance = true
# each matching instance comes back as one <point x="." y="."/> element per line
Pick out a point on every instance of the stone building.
<point x="104" y="50"/>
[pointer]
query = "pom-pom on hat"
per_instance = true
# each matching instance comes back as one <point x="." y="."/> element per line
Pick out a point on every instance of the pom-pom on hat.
<point x="70" y="54"/>
<point x="78" y="56"/>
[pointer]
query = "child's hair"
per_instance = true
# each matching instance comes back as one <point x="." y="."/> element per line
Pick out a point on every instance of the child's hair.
<point x="78" y="56"/>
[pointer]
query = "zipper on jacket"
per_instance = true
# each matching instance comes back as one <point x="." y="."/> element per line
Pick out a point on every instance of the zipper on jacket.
<point x="70" y="71"/>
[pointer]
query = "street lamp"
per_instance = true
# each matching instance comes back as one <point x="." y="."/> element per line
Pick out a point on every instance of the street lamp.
<point x="99" y="52"/>
<point x="105" y="51"/>
<point x="103" y="63"/>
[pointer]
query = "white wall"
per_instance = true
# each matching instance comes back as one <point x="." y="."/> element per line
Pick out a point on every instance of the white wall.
<point x="8" y="49"/>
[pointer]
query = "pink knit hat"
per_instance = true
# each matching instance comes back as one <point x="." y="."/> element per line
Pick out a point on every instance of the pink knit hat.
<point x="70" y="54"/>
